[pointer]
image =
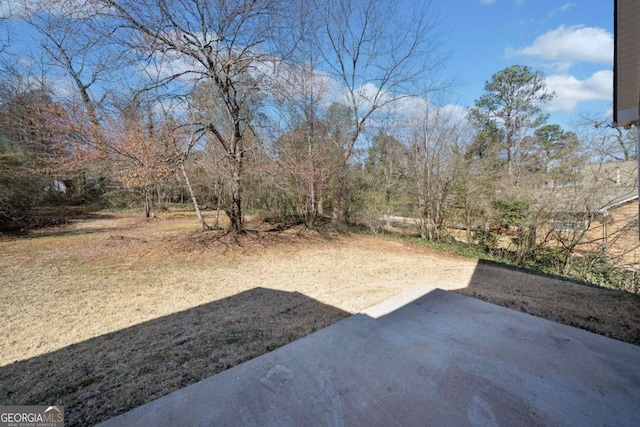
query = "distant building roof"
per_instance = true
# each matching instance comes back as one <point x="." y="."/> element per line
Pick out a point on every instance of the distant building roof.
<point x="599" y="187"/>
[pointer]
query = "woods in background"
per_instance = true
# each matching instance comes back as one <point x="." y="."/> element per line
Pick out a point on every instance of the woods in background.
<point x="294" y="111"/>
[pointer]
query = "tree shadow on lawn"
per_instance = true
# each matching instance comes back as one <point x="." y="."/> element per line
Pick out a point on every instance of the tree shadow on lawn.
<point x="116" y="372"/>
<point x="61" y="226"/>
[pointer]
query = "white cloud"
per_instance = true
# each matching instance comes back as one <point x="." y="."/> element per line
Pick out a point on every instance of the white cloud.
<point x="565" y="7"/>
<point x="22" y="8"/>
<point x="365" y="96"/>
<point x="456" y="112"/>
<point x="571" y="44"/>
<point x="417" y="107"/>
<point x="487" y="1"/>
<point x="11" y="8"/>
<point x="571" y="90"/>
<point x="411" y="104"/>
<point x="27" y="8"/>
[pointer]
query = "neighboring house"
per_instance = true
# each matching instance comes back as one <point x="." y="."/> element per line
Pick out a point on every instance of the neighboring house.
<point x="598" y="212"/>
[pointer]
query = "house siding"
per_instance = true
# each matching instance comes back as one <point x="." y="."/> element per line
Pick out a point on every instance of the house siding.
<point x="622" y="233"/>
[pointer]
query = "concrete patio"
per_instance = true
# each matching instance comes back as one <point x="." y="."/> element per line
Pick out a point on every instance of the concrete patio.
<point x="427" y="357"/>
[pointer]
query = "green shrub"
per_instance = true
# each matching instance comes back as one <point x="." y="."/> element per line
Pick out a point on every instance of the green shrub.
<point x="602" y="272"/>
<point x="486" y="239"/>
<point x="590" y="269"/>
<point x="547" y="259"/>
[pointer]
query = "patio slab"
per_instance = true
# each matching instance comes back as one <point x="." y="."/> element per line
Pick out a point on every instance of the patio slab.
<point x="426" y="357"/>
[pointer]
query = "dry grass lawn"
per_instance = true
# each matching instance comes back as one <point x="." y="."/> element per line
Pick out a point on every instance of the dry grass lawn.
<point x="112" y="310"/>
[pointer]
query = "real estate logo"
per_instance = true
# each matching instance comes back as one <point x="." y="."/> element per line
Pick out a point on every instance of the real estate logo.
<point x="32" y="416"/>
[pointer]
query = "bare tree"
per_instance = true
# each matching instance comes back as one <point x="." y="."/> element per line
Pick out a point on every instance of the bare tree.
<point x="30" y="151"/>
<point x="140" y="164"/>
<point x="386" y="168"/>
<point x="301" y="152"/>
<point x="229" y="45"/>
<point x="88" y="59"/>
<point x="605" y="142"/>
<point x="377" y="57"/>
<point x="437" y="139"/>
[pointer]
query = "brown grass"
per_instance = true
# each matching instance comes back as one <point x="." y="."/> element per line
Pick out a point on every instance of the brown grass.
<point x="113" y="310"/>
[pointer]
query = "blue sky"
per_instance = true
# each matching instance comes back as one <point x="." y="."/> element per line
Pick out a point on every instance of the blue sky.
<point x="570" y="41"/>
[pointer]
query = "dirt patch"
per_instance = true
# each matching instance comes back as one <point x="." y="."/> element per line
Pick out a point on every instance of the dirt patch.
<point x="111" y="311"/>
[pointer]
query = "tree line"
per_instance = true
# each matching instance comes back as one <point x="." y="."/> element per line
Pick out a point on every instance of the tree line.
<point x="299" y="111"/>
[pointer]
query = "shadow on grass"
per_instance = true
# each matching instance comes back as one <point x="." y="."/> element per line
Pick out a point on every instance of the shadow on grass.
<point x="113" y="373"/>
<point x="56" y="226"/>
<point x="426" y="357"/>
<point x="608" y="312"/>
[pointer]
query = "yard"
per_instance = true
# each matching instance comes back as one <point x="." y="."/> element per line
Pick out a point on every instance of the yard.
<point x="112" y="310"/>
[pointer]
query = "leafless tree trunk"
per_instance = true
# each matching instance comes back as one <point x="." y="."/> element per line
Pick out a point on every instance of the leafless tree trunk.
<point x="194" y="199"/>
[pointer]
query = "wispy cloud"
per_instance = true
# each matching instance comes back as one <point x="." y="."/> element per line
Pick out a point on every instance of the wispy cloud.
<point x="487" y="1"/>
<point x="565" y="7"/>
